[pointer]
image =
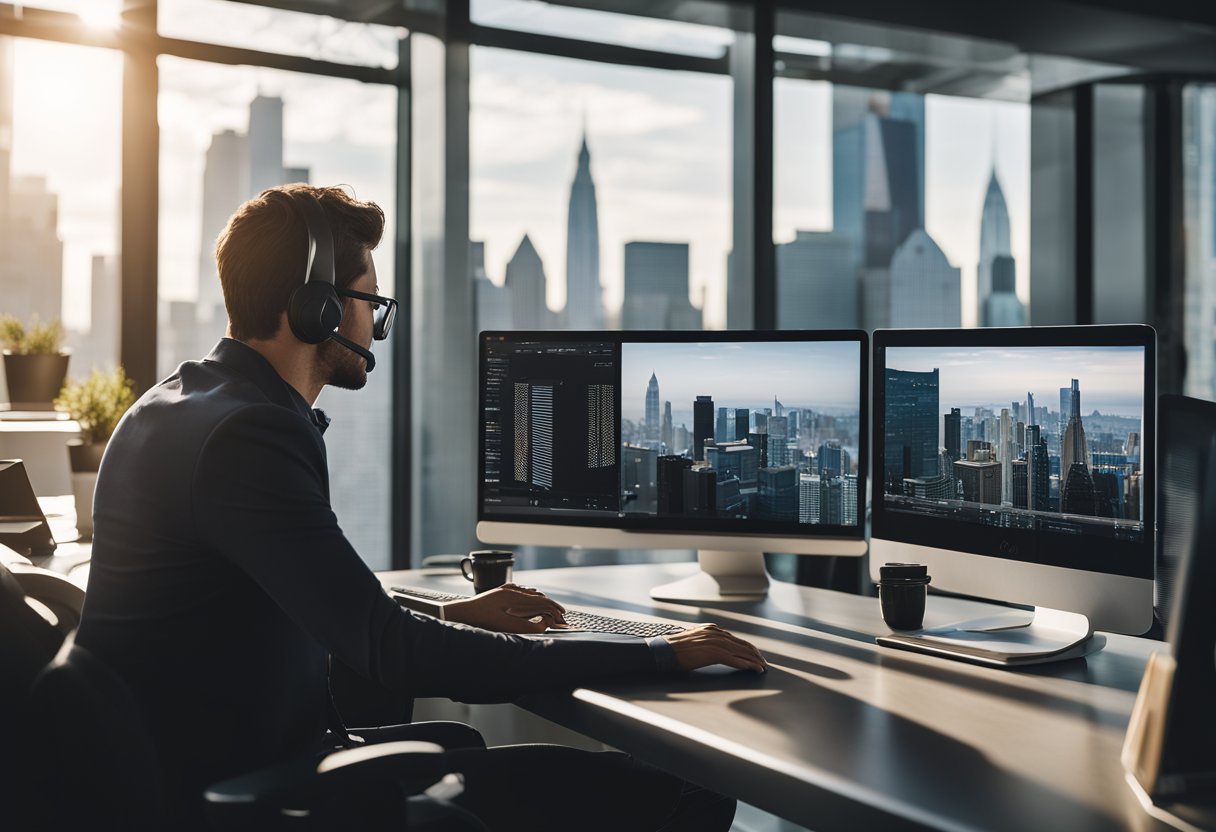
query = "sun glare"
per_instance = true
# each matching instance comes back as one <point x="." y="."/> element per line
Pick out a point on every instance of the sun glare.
<point x="101" y="16"/>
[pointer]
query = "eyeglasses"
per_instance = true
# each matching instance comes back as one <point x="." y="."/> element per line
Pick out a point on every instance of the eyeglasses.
<point x="385" y="311"/>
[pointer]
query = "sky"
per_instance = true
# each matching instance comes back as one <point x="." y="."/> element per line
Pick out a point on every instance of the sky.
<point x="660" y="144"/>
<point x="1111" y="378"/>
<point x="823" y="375"/>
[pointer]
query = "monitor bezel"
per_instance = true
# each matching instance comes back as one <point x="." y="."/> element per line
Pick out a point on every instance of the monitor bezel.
<point x="666" y="525"/>
<point x="1117" y="557"/>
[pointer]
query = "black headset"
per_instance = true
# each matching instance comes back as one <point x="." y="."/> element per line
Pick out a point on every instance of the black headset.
<point x="315" y="310"/>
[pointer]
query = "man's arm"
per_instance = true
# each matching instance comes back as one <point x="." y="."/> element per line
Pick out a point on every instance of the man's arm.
<point x="259" y="500"/>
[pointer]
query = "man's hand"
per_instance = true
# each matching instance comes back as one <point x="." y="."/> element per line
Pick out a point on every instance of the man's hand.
<point x="710" y="644"/>
<point x="508" y="609"/>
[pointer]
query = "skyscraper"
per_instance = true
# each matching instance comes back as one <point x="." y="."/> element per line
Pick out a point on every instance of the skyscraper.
<point x="702" y="424"/>
<point x="666" y="434"/>
<point x="584" y="296"/>
<point x="527" y="284"/>
<point x="493" y="302"/>
<point x="1038" y="472"/>
<point x="742" y="422"/>
<point x="779" y="493"/>
<point x="994" y="241"/>
<point x="954" y="433"/>
<point x="1006" y="455"/>
<point x="656" y="288"/>
<point x="1031" y="418"/>
<point x="817" y="282"/>
<point x="265" y="143"/>
<point x="654" y="429"/>
<point x="924" y="287"/>
<point x="911" y="425"/>
<point x="225" y="187"/>
<point x="778" y="441"/>
<point x="1003" y="307"/>
<point x="671" y="483"/>
<point x="1074" y="450"/>
<point x="979" y="478"/>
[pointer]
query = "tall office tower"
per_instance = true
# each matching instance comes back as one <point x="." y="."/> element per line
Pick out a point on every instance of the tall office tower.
<point x="1031" y="418"/>
<point x="601" y="425"/>
<point x="225" y="187"/>
<point x="1020" y="483"/>
<point x="534" y="433"/>
<point x="723" y="429"/>
<point x="954" y="420"/>
<point x="778" y="407"/>
<point x="808" y="498"/>
<point x="742" y="422"/>
<point x="1065" y="410"/>
<point x="831" y="460"/>
<point x="778" y="442"/>
<point x="702" y="425"/>
<point x="1074" y="450"/>
<point x="639" y="479"/>
<point x="731" y="501"/>
<point x="831" y="501"/>
<point x="681" y="442"/>
<point x="778" y="494"/>
<point x="527" y="284"/>
<point x="584" y="295"/>
<point x="1131" y="447"/>
<point x="671" y="483"/>
<point x="667" y="433"/>
<point x="994" y="242"/>
<point x="265" y="143"/>
<point x="1005" y="454"/>
<point x="979" y="479"/>
<point x="924" y="287"/>
<point x="1003" y="307"/>
<point x="1199" y="218"/>
<point x="493" y="302"/>
<point x="700" y="491"/>
<point x="1038" y="471"/>
<point x="878" y="161"/>
<point x="848" y="500"/>
<point x="1108" y="493"/>
<point x="656" y="288"/>
<point x="654" y="428"/>
<point x="1077" y="493"/>
<point x="911" y="425"/>
<point x="735" y="459"/>
<point x="817" y="282"/>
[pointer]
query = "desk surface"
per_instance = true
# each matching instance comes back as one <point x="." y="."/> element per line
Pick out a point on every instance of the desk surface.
<point x="844" y="734"/>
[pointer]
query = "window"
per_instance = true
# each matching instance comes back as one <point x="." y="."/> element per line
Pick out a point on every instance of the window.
<point x="226" y="134"/>
<point x="1199" y="218"/>
<point x="901" y="179"/>
<point x="60" y="113"/>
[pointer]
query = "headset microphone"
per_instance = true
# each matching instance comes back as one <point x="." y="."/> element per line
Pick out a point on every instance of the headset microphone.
<point x="366" y="355"/>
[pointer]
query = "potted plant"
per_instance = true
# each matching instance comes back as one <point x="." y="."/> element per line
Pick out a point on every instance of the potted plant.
<point x="35" y="363"/>
<point x="96" y="404"/>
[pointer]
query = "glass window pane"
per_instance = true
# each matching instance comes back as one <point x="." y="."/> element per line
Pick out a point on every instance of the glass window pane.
<point x="602" y="27"/>
<point x="899" y="208"/>
<point x="599" y="195"/>
<point x="251" y="26"/>
<point x="60" y="145"/>
<point x="1199" y="217"/>
<point x="227" y="133"/>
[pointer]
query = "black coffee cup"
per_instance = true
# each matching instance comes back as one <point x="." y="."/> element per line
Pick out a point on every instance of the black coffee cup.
<point x="902" y="588"/>
<point x="488" y="568"/>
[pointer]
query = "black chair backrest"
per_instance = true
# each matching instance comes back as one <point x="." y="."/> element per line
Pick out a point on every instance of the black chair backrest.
<point x="102" y="762"/>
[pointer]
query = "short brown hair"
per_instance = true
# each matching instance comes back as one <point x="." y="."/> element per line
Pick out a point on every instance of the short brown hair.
<point x="261" y="254"/>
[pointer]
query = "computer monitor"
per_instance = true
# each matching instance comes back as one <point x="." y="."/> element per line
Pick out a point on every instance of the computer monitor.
<point x="730" y="443"/>
<point x="1018" y="465"/>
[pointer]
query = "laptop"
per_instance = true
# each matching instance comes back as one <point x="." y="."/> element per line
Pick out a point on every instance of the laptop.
<point x="23" y="525"/>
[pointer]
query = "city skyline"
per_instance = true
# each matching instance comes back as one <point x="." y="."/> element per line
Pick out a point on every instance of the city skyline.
<point x="993" y="377"/>
<point x="817" y="375"/>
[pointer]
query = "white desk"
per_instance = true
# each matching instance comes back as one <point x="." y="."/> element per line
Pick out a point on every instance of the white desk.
<point x="844" y="734"/>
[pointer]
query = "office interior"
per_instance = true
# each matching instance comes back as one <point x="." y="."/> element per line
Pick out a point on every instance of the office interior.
<point x="621" y="165"/>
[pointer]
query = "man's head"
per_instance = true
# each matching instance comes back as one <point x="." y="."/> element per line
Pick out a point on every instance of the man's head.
<point x="261" y="257"/>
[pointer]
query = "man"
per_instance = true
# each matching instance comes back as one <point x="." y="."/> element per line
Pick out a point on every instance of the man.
<point x="221" y="580"/>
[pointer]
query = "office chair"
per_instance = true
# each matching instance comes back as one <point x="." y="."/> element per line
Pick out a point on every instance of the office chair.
<point x="76" y="752"/>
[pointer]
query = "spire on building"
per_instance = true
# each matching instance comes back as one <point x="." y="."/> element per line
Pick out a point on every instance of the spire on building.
<point x="584" y="296"/>
<point x="994" y="243"/>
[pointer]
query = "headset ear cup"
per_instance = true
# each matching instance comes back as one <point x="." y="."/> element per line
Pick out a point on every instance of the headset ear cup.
<point x="314" y="312"/>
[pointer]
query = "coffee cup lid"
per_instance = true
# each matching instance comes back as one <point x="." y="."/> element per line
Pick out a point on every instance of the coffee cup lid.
<point x="903" y="571"/>
<point x="491" y="554"/>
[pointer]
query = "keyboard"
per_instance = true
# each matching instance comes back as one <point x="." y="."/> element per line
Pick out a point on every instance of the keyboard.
<point x="577" y="619"/>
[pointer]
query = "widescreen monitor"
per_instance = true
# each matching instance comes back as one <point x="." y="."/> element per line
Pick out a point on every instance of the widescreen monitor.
<point x="1018" y="464"/>
<point x="730" y="443"/>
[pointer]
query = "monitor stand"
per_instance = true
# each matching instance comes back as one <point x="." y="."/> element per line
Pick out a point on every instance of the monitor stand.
<point x="724" y="576"/>
<point x="1006" y="640"/>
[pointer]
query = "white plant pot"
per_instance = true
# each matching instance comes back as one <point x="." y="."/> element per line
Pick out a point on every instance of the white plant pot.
<point x="83" y="485"/>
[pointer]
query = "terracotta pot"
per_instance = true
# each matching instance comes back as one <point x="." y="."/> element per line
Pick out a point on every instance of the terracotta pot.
<point x="34" y="380"/>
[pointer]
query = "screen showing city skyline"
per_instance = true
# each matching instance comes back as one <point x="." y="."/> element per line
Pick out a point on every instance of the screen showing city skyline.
<point x="1040" y="438"/>
<point x="746" y="436"/>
